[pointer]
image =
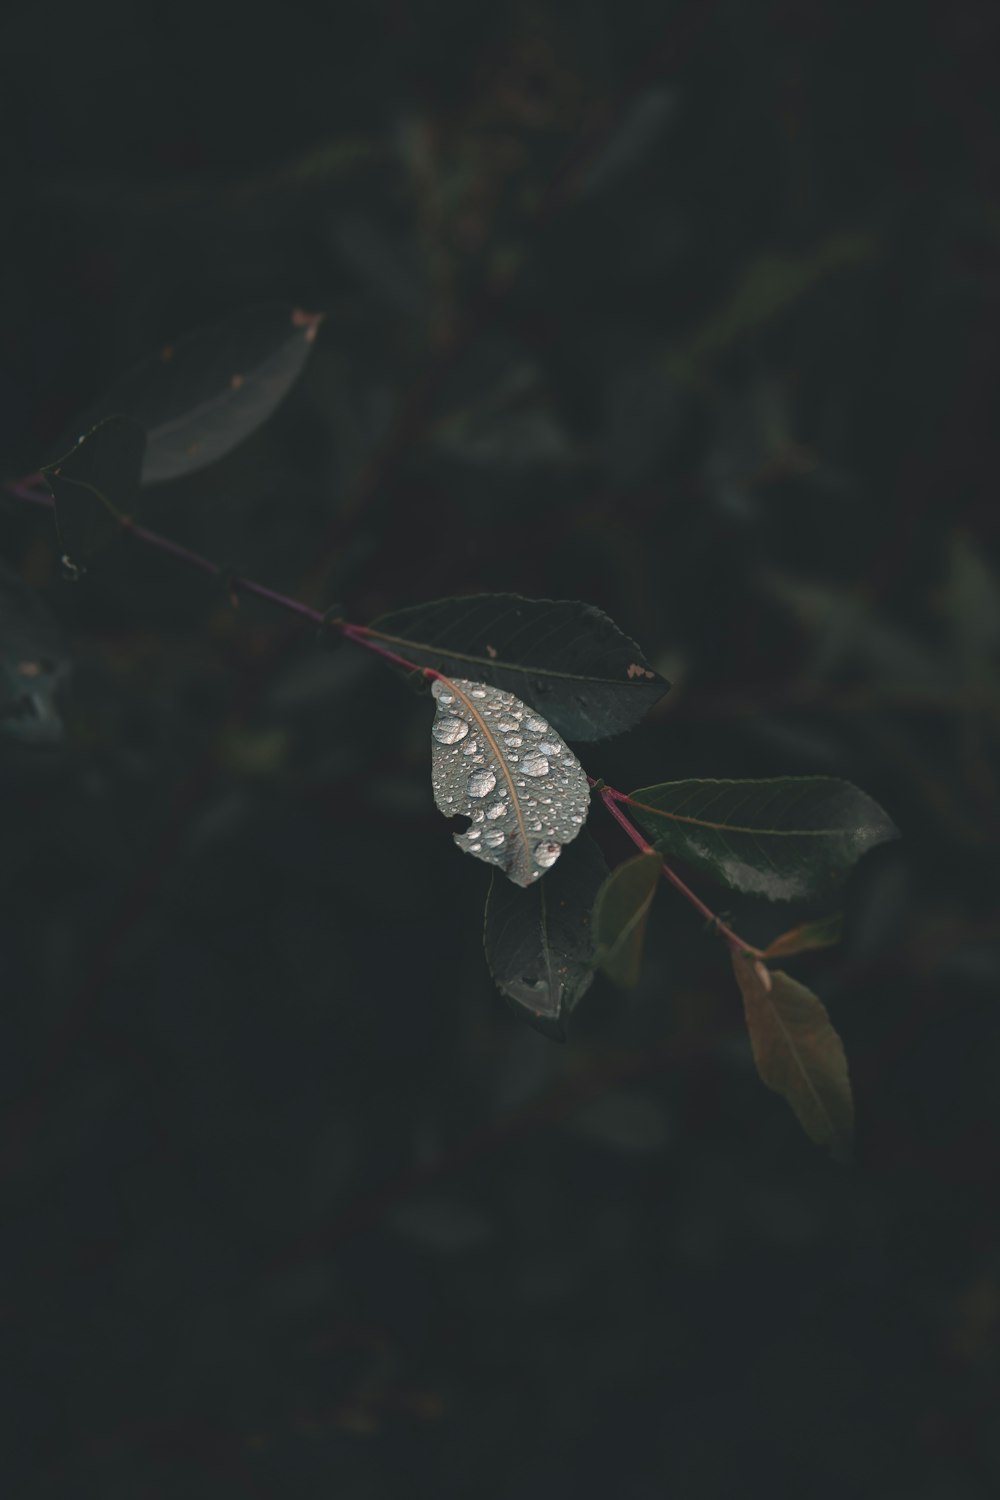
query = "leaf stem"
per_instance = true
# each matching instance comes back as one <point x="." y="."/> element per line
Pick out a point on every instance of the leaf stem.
<point x="611" y="798"/>
<point x="26" y="490"/>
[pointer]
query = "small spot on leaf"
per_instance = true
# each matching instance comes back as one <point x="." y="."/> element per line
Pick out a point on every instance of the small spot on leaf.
<point x="635" y="670"/>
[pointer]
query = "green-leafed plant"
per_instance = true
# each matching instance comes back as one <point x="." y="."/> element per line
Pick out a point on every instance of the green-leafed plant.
<point x="514" y="680"/>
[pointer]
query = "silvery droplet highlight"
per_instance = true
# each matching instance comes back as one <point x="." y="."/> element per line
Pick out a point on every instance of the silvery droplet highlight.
<point x="491" y="758"/>
<point x="450" y="731"/>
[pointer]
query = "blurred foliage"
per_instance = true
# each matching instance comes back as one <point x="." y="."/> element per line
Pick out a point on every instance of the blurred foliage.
<point x="687" y="311"/>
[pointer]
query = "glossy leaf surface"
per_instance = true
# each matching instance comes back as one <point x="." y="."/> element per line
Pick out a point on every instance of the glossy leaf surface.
<point x="797" y="1052"/>
<point x="197" y="398"/>
<point x="620" y="917"/>
<point x="499" y="763"/>
<point x="783" y="838"/>
<point x="33" y="663"/>
<point x="95" y="486"/>
<point x="538" y="940"/>
<point x="564" y="658"/>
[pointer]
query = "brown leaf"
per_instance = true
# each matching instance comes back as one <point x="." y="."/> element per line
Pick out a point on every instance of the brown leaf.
<point x="797" y="1052"/>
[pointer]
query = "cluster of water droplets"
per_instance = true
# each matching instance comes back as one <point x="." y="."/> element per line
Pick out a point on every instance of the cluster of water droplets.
<point x="498" y="762"/>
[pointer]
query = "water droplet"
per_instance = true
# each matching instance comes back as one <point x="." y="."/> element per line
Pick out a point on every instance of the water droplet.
<point x="440" y="692"/>
<point x="546" y="747"/>
<point x="505" y="725"/>
<point x="449" y="731"/>
<point x="478" y="692"/>
<point x="496" y="810"/>
<point x="537" y="726"/>
<point x="481" y="783"/>
<point x="535" y="764"/>
<point x="473" y="833"/>
<point x="494" y="837"/>
<point x="514" y="741"/>
<point x="547" y="853"/>
<point x="470" y="748"/>
<point x="535" y="826"/>
<point x="478" y="815"/>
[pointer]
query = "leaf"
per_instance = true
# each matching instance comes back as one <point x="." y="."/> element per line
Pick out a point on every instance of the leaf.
<point x="784" y="838"/>
<point x="797" y="1052"/>
<point x="33" y="664"/>
<point x="201" y="396"/>
<point x="95" y="486"/>
<point x="499" y="762"/>
<point x="620" y="917"/>
<point x="823" y="933"/>
<point x="538" y="940"/>
<point x="565" y="658"/>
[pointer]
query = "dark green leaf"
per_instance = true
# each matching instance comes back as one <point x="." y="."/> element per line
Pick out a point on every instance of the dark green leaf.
<point x="33" y="663"/>
<point x="201" y="396"/>
<point x="797" y="1052"/>
<point x="538" y="940"/>
<point x="620" y="916"/>
<point x="785" y="838"/>
<point x="564" y="658"/>
<point x="95" y="486"/>
<point x="823" y="933"/>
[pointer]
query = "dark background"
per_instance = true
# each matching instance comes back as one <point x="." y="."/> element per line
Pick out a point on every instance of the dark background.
<point x="689" y="310"/>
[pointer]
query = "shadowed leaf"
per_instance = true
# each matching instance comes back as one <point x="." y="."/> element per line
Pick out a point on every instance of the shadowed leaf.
<point x="199" y="397"/>
<point x="824" y="933"/>
<point x="620" y="917"/>
<point x="784" y="838"/>
<point x="538" y="939"/>
<point x="564" y="658"/>
<point x="95" y="486"/>
<point x="797" y="1052"/>
<point x="33" y="663"/>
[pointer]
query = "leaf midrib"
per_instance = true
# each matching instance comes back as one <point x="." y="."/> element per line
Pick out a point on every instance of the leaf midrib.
<point x="492" y="663"/>
<point x="781" y="833"/>
<point x="505" y="769"/>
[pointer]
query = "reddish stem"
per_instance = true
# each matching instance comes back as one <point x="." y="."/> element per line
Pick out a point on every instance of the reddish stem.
<point x="611" y="799"/>
<point x="24" y="489"/>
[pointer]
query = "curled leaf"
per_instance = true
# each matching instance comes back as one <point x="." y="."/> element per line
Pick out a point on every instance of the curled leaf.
<point x="823" y="933"/>
<point x="498" y="761"/>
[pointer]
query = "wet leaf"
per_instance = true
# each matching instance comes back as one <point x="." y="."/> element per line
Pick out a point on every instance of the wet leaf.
<point x="797" y="1052"/>
<point x="95" y="486"/>
<point x="33" y="664"/>
<point x="784" y="838"/>
<point x="565" y="658"/>
<point x="501" y="764"/>
<point x="538" y="940"/>
<point x="199" y="397"/>
<point x="824" y="933"/>
<point x="620" y="917"/>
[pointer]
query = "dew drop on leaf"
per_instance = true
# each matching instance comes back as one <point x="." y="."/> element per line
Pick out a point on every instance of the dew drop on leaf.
<point x="450" y="731"/>
<point x="535" y="764"/>
<point x="547" y="853"/>
<point x="494" y="837"/>
<point x="481" y="783"/>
